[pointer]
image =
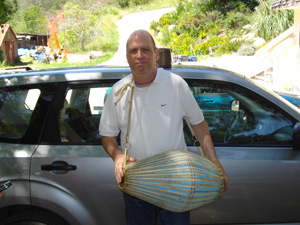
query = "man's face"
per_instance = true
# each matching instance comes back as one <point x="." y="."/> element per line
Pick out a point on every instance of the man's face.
<point x="141" y="54"/>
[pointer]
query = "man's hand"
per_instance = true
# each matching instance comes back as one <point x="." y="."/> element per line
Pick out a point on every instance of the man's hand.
<point x="203" y="135"/>
<point x="119" y="159"/>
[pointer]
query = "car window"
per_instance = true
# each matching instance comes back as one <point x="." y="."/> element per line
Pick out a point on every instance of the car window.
<point x="16" y="107"/>
<point x="23" y="110"/>
<point x="237" y="116"/>
<point x="81" y="112"/>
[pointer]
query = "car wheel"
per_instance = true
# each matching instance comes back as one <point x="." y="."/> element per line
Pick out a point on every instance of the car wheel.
<point x="34" y="217"/>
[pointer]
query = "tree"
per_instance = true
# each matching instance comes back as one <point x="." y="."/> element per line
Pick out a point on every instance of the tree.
<point x="79" y="24"/>
<point x="225" y="6"/>
<point x="34" y="20"/>
<point x="46" y="5"/>
<point x="7" y="10"/>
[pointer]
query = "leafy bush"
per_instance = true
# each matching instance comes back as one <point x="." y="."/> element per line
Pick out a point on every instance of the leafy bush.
<point x="226" y="6"/>
<point x="228" y="46"/>
<point x="220" y="45"/>
<point x="139" y="2"/>
<point x="205" y="23"/>
<point x="127" y="3"/>
<point x="155" y="26"/>
<point x="166" y="36"/>
<point x="181" y="44"/>
<point x="123" y="3"/>
<point x="34" y="20"/>
<point x="18" y="61"/>
<point x="246" y="49"/>
<point x="164" y="20"/>
<point x="203" y="48"/>
<point x="5" y="63"/>
<point x="251" y="4"/>
<point x="235" y="20"/>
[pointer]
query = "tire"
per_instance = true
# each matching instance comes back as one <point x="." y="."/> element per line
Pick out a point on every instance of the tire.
<point x="34" y="217"/>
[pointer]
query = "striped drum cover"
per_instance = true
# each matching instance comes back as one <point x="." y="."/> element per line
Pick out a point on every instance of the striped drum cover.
<point x="175" y="180"/>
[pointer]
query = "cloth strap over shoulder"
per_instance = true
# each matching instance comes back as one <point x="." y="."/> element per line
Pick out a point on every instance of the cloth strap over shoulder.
<point x="119" y="94"/>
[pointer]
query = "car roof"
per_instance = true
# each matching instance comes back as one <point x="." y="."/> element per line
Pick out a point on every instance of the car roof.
<point x="103" y="72"/>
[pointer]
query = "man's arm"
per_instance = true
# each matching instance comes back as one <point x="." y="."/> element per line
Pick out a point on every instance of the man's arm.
<point x="203" y="135"/>
<point x="110" y="145"/>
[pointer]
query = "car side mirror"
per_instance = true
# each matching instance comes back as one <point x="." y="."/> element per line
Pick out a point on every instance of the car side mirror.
<point x="296" y="136"/>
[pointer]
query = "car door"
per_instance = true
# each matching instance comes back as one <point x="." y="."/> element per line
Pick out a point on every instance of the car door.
<point x="23" y="109"/>
<point x="253" y="140"/>
<point x="71" y="173"/>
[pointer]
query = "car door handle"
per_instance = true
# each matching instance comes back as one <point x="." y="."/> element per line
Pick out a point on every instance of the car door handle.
<point x="58" y="165"/>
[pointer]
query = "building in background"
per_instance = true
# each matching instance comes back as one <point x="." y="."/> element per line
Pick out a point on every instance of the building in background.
<point x="8" y="44"/>
<point x="31" y="41"/>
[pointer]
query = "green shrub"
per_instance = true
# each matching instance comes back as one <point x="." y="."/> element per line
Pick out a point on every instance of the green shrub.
<point x="5" y="63"/>
<point x="227" y="46"/>
<point x="123" y="3"/>
<point x="214" y="31"/>
<point x="221" y="45"/>
<point x="203" y="48"/>
<point x="235" y="20"/>
<point x="139" y="2"/>
<point x="202" y="34"/>
<point x="166" y="19"/>
<point x="18" y="60"/>
<point x="166" y="36"/>
<point x="181" y="44"/>
<point x="225" y="6"/>
<point x="127" y="3"/>
<point x="155" y="26"/>
<point x="246" y="49"/>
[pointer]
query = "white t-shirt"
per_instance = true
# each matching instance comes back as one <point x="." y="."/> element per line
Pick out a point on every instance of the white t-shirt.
<point x="156" y="117"/>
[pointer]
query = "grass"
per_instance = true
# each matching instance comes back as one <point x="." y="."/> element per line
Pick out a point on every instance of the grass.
<point x="28" y="61"/>
<point x="93" y="62"/>
<point x="155" y="4"/>
<point x="268" y="23"/>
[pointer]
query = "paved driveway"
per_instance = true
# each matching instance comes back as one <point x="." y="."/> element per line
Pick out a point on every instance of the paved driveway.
<point x="127" y="25"/>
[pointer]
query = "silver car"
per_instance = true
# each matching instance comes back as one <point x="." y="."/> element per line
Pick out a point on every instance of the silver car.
<point x="51" y="150"/>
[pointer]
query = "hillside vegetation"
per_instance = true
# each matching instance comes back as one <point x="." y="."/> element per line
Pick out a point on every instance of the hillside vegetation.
<point x="224" y="27"/>
<point x="195" y="27"/>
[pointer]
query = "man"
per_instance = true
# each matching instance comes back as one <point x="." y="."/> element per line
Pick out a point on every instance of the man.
<point x="160" y="101"/>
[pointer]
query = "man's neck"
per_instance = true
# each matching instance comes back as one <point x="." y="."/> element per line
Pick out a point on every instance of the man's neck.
<point x="144" y="82"/>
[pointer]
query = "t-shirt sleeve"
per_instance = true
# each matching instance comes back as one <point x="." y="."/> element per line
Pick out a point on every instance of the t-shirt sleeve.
<point x="191" y="108"/>
<point x="109" y="122"/>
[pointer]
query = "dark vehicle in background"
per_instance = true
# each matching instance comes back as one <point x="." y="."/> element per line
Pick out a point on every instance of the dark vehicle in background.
<point x="290" y="96"/>
<point x="51" y="150"/>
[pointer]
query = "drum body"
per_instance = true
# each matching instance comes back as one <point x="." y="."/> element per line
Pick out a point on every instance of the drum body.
<point x="175" y="180"/>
